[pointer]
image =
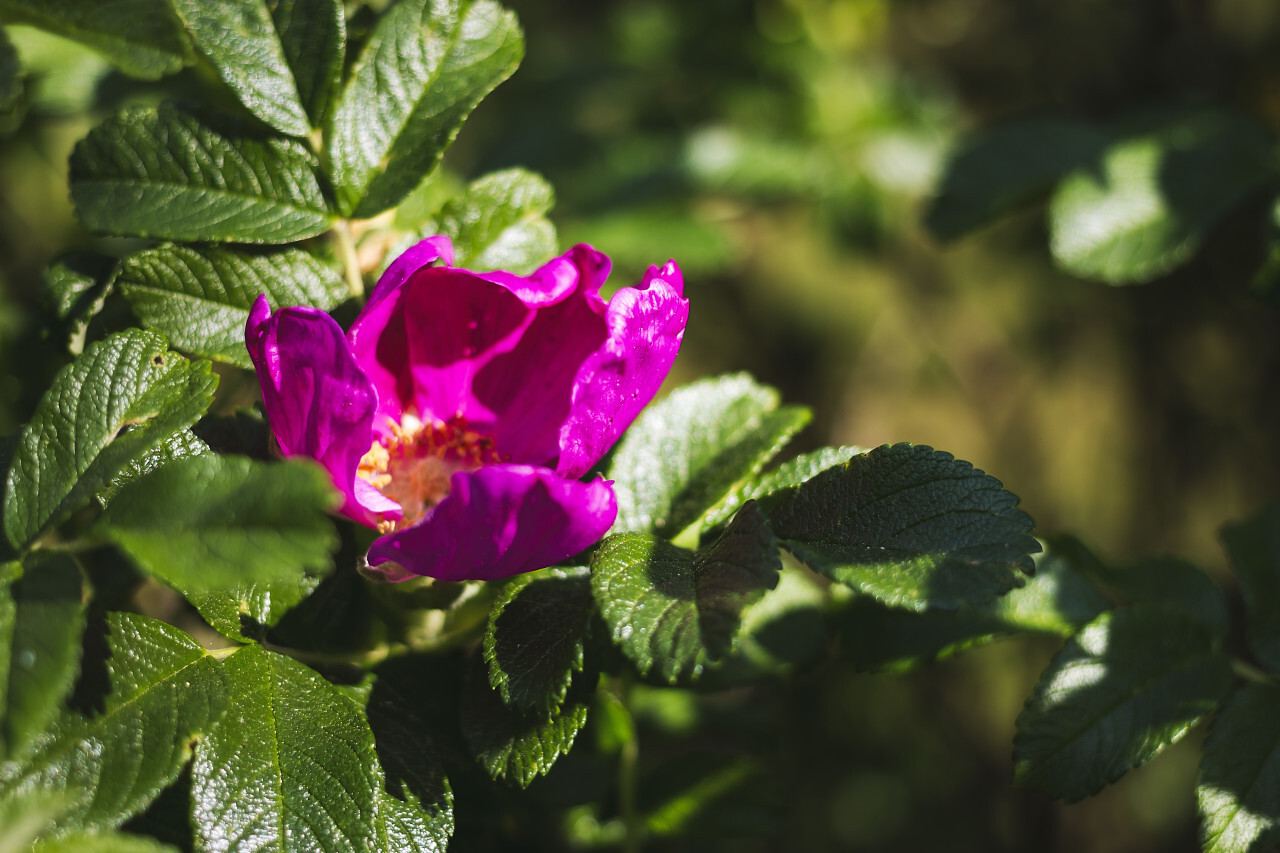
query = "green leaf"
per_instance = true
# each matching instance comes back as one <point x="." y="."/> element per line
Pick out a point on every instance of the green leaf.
<point x="536" y="635"/>
<point x="517" y="745"/>
<point x="164" y="692"/>
<point x="114" y="842"/>
<point x="1239" y="786"/>
<point x="314" y="36"/>
<point x="140" y="37"/>
<point x="219" y="522"/>
<point x="1132" y="682"/>
<point x="183" y="444"/>
<point x="1153" y="196"/>
<point x="122" y="397"/>
<point x="1169" y="581"/>
<point x="41" y="648"/>
<point x="77" y="284"/>
<point x="1001" y="168"/>
<point x="239" y="39"/>
<point x="793" y="472"/>
<point x="500" y="223"/>
<point x="1057" y="601"/>
<point x="673" y="611"/>
<point x="424" y="69"/>
<point x="1254" y="546"/>
<point x="26" y="816"/>
<point x="909" y="526"/>
<point x="404" y="828"/>
<point x="291" y="766"/>
<point x="244" y="612"/>
<point x="162" y="173"/>
<point x="10" y="74"/>
<point x="199" y="297"/>
<point x="691" y="451"/>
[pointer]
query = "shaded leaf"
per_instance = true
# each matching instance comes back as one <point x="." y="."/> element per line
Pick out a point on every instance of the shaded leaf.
<point x="536" y="635"/>
<point x="515" y="745"/>
<point x="183" y="444"/>
<point x="199" y="297"/>
<point x="160" y="172"/>
<point x="908" y="525"/>
<point x="424" y="69"/>
<point x="212" y="523"/>
<point x="43" y="648"/>
<point x="672" y="610"/>
<point x="164" y="692"/>
<point x="239" y="39"/>
<point x="10" y="74"/>
<point x="314" y="37"/>
<point x="1254" y="546"/>
<point x="1154" y="194"/>
<point x="1239" y="785"/>
<point x="1132" y="682"/>
<point x="77" y="284"/>
<point x="415" y="812"/>
<point x="793" y="472"/>
<point x="500" y="223"/>
<point x="140" y="37"/>
<point x="1001" y="168"/>
<point x="119" y="399"/>
<point x="244" y="612"/>
<point x="1164" y="580"/>
<point x="688" y="452"/>
<point x="291" y="766"/>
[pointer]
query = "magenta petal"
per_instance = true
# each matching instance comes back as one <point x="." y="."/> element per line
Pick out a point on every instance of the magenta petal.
<point x="318" y="400"/>
<point x="499" y="521"/>
<point x="417" y="256"/>
<point x="646" y="327"/>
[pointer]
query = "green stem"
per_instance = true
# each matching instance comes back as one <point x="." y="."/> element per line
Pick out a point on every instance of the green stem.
<point x="628" y="761"/>
<point x="1249" y="672"/>
<point x="345" y="247"/>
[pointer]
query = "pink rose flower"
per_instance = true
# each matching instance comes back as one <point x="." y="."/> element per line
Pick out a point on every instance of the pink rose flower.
<point x="459" y="412"/>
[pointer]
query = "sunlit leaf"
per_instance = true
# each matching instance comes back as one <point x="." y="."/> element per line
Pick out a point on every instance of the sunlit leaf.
<point x="1239" y="786"/>
<point x="500" y="223"/>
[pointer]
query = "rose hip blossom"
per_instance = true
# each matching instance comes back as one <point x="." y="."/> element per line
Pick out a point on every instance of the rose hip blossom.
<point x="459" y="412"/>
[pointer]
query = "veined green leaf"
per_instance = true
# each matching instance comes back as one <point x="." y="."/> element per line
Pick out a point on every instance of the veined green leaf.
<point x="909" y="526"/>
<point x="500" y="223"/>
<point x="140" y="37"/>
<point x="695" y="449"/>
<point x="793" y="472"/>
<point x="1254" y="546"/>
<point x="1000" y="168"/>
<point x="672" y="611"/>
<point x="1239" y="786"/>
<point x="1153" y="196"/>
<point x="198" y="297"/>
<point x="164" y="692"/>
<point x="162" y="173"/>
<point x="1132" y="682"/>
<point x="424" y="69"/>
<point x="239" y="39"/>
<point x="536" y="635"/>
<point x="111" y="842"/>
<point x="314" y="36"/>
<point x="39" y="648"/>
<point x="215" y="523"/>
<point x="119" y="399"/>
<point x="291" y="767"/>
<point x="415" y="811"/>
<point x="183" y="444"/>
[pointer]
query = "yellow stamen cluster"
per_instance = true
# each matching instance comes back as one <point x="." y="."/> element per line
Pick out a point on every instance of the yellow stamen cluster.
<point x="415" y="463"/>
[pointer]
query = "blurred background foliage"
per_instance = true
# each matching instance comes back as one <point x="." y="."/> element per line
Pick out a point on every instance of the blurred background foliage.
<point x="784" y="152"/>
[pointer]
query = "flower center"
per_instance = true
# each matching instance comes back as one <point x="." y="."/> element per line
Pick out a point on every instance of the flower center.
<point x="413" y="466"/>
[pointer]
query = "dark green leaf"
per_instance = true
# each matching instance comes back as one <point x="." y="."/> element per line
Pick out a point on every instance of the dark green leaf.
<point x="213" y="523"/>
<point x="43" y="648"/>
<point x="162" y="173"/>
<point x="78" y="285"/>
<point x="415" y="812"/>
<point x="314" y="36"/>
<point x="291" y="766"/>
<point x="199" y="297"/>
<point x="1165" y="580"/>
<point x="239" y="39"/>
<point x="516" y="745"/>
<point x="1239" y="787"/>
<point x="1001" y="168"/>
<point x="10" y="74"/>
<point x="1145" y="206"/>
<point x="405" y="828"/>
<point x="122" y="397"/>
<point x="165" y="691"/>
<point x="500" y="223"/>
<point x="183" y="444"/>
<point x="691" y="451"/>
<point x="424" y="69"/>
<point x="537" y="630"/>
<point x="245" y="612"/>
<point x="1058" y="600"/>
<point x="1266" y="281"/>
<point x="140" y="37"/>
<point x="1132" y="682"/>
<point x="1254" y="546"/>
<point x="793" y="472"/>
<point x="908" y="525"/>
<point x="114" y="842"/>
<point x="671" y="610"/>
